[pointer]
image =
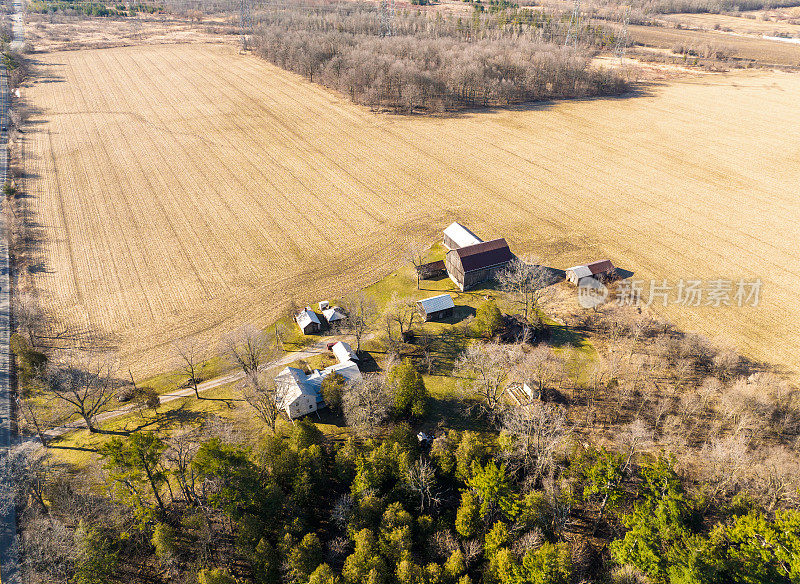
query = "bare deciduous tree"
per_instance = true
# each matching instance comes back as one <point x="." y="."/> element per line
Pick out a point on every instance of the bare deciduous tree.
<point x="400" y="311"/>
<point x="264" y="396"/>
<point x="179" y="454"/>
<point x="248" y="348"/>
<point x="86" y="388"/>
<point x="191" y="356"/>
<point x="527" y="283"/>
<point x="366" y="403"/>
<point x="415" y="254"/>
<point x="361" y="314"/>
<point x="540" y="368"/>
<point x="421" y="479"/>
<point x="24" y="470"/>
<point x="483" y="372"/>
<point x="538" y="430"/>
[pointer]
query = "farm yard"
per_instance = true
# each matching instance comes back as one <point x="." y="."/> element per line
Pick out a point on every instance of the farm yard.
<point x="185" y="189"/>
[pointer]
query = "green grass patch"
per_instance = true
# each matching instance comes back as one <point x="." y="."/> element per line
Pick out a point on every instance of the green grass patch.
<point x="80" y="447"/>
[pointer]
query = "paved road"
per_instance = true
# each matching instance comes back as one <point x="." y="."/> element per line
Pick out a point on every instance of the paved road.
<point x="314" y="349"/>
<point x="9" y="559"/>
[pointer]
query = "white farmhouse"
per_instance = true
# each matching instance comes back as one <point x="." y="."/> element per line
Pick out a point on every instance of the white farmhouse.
<point x="299" y="394"/>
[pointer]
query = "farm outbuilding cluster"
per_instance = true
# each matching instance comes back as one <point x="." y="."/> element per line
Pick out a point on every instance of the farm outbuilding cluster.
<point x="470" y="261"/>
<point x="310" y="322"/>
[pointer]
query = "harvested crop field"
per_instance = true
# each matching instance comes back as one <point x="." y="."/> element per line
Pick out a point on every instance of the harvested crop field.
<point x="744" y="48"/>
<point x="184" y="190"/>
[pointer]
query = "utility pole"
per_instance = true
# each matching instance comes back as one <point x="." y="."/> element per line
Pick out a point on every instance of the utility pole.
<point x="387" y="13"/>
<point x="622" y="40"/>
<point x="246" y="23"/>
<point x="574" y="25"/>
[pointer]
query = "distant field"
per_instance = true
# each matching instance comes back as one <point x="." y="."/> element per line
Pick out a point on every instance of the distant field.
<point x="761" y="25"/>
<point x="760" y="51"/>
<point x="187" y="189"/>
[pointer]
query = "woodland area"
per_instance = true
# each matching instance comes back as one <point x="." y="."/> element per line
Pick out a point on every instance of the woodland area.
<point x="435" y="64"/>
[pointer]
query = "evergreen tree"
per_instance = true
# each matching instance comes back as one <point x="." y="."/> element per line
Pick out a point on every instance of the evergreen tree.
<point x="96" y="561"/>
<point x="488" y="319"/>
<point x="134" y="466"/>
<point x="408" y="390"/>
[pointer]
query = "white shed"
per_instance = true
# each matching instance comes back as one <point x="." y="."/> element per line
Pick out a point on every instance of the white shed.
<point x="334" y="314"/>
<point x="344" y="352"/>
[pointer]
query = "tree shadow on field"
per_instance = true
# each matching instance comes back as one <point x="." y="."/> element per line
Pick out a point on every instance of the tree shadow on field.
<point x="638" y="89"/>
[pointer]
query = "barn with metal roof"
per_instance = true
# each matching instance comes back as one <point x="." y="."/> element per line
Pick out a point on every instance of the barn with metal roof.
<point x="471" y="265"/>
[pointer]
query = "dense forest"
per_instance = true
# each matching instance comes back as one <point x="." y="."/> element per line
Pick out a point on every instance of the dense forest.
<point x="435" y="63"/>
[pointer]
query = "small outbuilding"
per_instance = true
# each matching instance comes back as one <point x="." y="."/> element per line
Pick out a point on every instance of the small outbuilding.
<point x="344" y="352"/>
<point x="456" y="235"/>
<point x="471" y="265"/>
<point x="599" y="270"/>
<point x="308" y="321"/>
<point x="333" y="314"/>
<point x="436" y="307"/>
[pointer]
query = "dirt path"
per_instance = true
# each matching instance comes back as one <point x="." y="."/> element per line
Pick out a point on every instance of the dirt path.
<point x="317" y="348"/>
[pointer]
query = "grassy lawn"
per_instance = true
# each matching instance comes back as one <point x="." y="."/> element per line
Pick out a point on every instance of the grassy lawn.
<point x="173" y="380"/>
<point x="79" y="447"/>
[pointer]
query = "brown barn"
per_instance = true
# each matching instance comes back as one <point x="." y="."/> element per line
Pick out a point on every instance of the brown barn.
<point x="471" y="265"/>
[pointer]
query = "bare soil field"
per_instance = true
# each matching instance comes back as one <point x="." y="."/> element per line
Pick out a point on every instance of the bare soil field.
<point x="186" y="189"/>
<point x="761" y="23"/>
<point x="759" y="51"/>
<point x="64" y="32"/>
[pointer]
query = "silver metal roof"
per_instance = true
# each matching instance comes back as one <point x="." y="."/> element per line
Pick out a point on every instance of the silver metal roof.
<point x="436" y="303"/>
<point x="306" y="316"/>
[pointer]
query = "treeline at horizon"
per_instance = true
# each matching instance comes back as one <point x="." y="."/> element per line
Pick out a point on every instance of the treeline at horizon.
<point x="435" y="63"/>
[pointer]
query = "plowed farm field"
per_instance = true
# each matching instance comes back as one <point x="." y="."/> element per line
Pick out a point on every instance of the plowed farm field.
<point x="186" y="189"/>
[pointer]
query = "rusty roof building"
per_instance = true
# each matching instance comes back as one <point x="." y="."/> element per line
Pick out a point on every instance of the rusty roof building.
<point x="473" y="264"/>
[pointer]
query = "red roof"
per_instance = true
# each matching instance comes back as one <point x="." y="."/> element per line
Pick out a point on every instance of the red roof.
<point x="483" y="255"/>
<point x="600" y="267"/>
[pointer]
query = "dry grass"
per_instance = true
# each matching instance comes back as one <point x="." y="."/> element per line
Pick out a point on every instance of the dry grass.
<point x="65" y="32"/>
<point x="757" y="24"/>
<point x="757" y="50"/>
<point x="187" y="189"/>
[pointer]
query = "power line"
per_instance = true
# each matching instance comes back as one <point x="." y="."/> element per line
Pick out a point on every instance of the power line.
<point x="246" y="23"/>
<point x="574" y="24"/>
<point x="622" y="39"/>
